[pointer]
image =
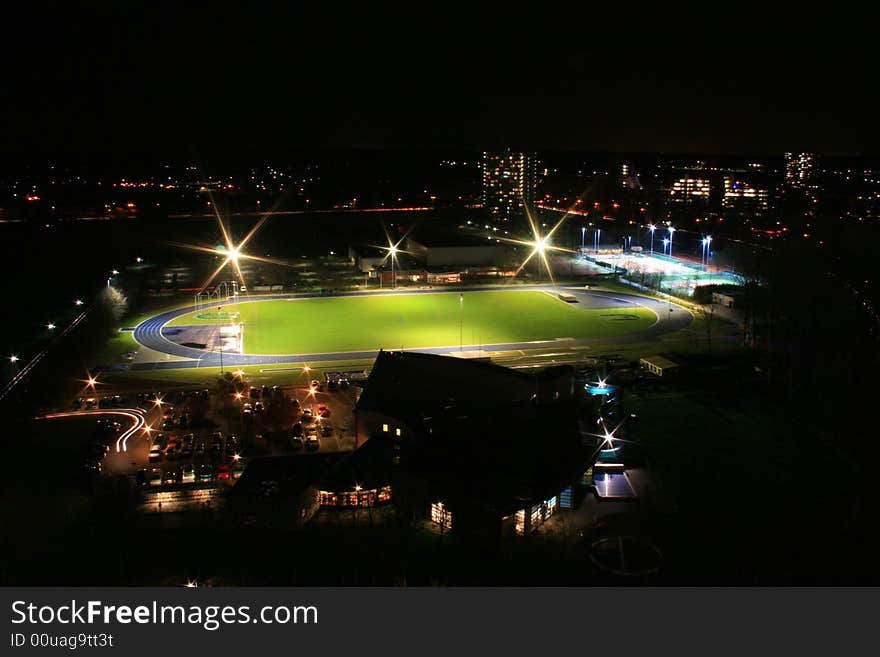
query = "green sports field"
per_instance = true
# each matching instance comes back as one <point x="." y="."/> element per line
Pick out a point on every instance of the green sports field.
<point x="343" y="324"/>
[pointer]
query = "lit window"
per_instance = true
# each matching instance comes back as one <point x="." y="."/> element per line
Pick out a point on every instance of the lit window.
<point x="397" y="432"/>
<point x="385" y="428"/>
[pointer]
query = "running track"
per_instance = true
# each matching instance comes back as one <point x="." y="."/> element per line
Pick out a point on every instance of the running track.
<point x="150" y="332"/>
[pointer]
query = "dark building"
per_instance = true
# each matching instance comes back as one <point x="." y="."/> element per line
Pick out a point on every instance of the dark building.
<point x="477" y="448"/>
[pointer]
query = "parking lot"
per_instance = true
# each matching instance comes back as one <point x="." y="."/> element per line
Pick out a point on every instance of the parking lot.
<point x="204" y="438"/>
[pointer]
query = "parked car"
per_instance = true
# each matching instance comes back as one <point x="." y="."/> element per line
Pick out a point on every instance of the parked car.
<point x="199" y="451"/>
<point x="155" y="477"/>
<point x="296" y="442"/>
<point x="77" y="403"/>
<point x="323" y="411"/>
<point x="170" y="477"/>
<point x="258" y="407"/>
<point x="155" y="454"/>
<point x="312" y="442"/>
<point x="223" y="472"/>
<point x="188" y="474"/>
<point x="206" y="472"/>
<point x="326" y="429"/>
<point x="254" y="392"/>
<point x="307" y="416"/>
<point x="90" y="403"/>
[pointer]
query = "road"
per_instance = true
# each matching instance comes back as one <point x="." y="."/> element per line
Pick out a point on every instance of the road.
<point x="670" y="317"/>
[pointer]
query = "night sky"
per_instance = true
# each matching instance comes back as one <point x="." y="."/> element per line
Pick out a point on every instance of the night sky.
<point x="155" y="79"/>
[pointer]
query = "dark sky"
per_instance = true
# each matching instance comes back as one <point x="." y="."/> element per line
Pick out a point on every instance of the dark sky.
<point x="149" y="78"/>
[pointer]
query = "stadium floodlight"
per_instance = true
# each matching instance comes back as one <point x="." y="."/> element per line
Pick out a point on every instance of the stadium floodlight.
<point x="652" y="228"/>
<point x="671" y="231"/>
<point x="665" y="242"/>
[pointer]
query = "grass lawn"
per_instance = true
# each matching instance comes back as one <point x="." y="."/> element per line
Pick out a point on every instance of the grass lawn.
<point x="422" y="320"/>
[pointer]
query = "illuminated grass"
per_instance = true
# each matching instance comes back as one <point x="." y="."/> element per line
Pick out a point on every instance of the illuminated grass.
<point x="336" y="324"/>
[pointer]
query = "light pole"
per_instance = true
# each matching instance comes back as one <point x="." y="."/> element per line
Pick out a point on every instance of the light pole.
<point x="583" y="237"/>
<point x="665" y="242"/>
<point x="708" y="241"/>
<point x="671" y="231"/>
<point x="652" y="228"/>
<point x="461" y="322"/>
<point x="393" y="251"/>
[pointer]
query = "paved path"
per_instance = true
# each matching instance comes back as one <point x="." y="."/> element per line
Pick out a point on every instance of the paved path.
<point x="670" y="317"/>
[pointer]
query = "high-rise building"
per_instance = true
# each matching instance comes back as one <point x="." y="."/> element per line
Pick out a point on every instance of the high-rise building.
<point x="800" y="169"/>
<point x="508" y="183"/>
<point x="745" y="196"/>
<point x="691" y="191"/>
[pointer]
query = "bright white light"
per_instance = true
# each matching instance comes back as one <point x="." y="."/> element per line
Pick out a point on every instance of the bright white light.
<point x="78" y="302"/>
<point x="115" y="272"/>
<point x="50" y="326"/>
<point x="392" y="250"/>
<point x="13" y="359"/>
<point x="540" y="245"/>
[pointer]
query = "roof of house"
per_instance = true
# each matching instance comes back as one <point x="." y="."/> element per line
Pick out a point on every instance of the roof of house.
<point x="659" y="361"/>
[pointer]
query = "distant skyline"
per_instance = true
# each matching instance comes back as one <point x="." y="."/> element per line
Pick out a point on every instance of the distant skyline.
<point x="151" y="78"/>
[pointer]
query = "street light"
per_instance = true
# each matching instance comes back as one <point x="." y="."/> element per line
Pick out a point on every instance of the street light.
<point x="671" y="231"/>
<point x="392" y="250"/>
<point x="583" y="235"/>
<point x="13" y="359"/>
<point x="461" y="322"/>
<point x="652" y="228"/>
<point x="50" y="326"/>
<point x="139" y="260"/>
<point x="78" y="302"/>
<point x="665" y="242"/>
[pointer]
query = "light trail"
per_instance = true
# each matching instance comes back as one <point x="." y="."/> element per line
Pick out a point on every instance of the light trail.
<point x="134" y="414"/>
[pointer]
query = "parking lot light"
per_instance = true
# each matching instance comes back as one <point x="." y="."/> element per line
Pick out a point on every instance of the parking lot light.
<point x="239" y="396"/>
<point x="191" y="584"/>
<point x="13" y="359"/>
<point x="78" y="302"/>
<point x="50" y="326"/>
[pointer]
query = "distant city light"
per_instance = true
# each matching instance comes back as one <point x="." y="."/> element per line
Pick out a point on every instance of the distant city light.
<point x="13" y="359"/>
<point x="50" y="326"/>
